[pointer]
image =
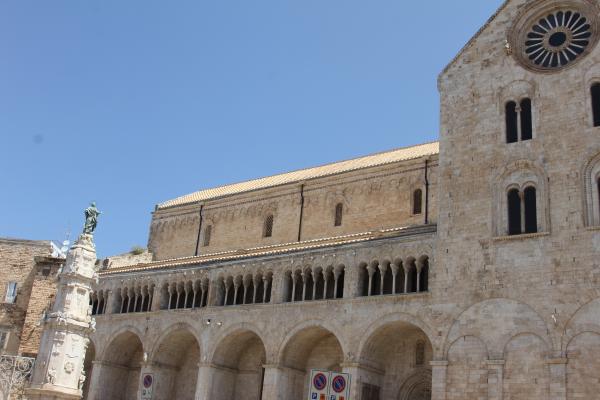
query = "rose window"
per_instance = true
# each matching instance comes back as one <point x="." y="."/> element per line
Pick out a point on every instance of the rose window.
<point x="558" y="39"/>
<point x="548" y="37"/>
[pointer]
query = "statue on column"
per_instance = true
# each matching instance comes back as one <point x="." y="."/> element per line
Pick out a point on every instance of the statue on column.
<point x="59" y="369"/>
<point x="91" y="219"/>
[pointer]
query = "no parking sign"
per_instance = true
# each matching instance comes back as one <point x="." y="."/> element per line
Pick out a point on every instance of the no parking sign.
<point x="147" y="384"/>
<point x="327" y="385"/>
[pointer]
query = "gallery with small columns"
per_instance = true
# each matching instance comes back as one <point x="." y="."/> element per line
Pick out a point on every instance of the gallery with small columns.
<point x="464" y="269"/>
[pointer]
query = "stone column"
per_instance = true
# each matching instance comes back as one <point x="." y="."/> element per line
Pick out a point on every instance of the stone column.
<point x="272" y="381"/>
<point x="94" y="390"/>
<point x="439" y="369"/>
<point x="495" y="379"/>
<point x="558" y="378"/>
<point x="204" y="381"/>
<point x="58" y="373"/>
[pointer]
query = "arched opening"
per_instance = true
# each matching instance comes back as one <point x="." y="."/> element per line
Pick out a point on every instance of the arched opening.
<point x="298" y="285"/>
<point x="595" y="92"/>
<point x="120" y="375"/>
<point x="339" y="213"/>
<point x="311" y="348"/>
<point x="288" y="287"/>
<point x="514" y="212"/>
<point x="268" y="227"/>
<point x="399" y="279"/>
<point x="375" y="279"/>
<point x="241" y="356"/>
<point x="526" y="120"/>
<point x="175" y="366"/>
<point x="308" y="285"/>
<point x="339" y="282"/>
<point x="529" y="198"/>
<point x="363" y="279"/>
<point x="387" y="278"/>
<point x="412" y="276"/>
<point x="90" y="356"/>
<point x="395" y="361"/>
<point x="424" y="275"/>
<point x="512" y="130"/>
<point x="417" y="202"/>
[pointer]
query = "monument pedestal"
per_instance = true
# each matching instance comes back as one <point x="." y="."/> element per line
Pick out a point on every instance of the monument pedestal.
<point x="58" y="373"/>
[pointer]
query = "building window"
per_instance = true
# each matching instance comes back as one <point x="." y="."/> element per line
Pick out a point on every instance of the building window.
<point x="526" y="122"/>
<point x="530" y="202"/>
<point x="512" y="129"/>
<point x="514" y="212"/>
<point x="207" y="233"/>
<point x="417" y="202"/>
<point x="519" y="121"/>
<point x="268" y="228"/>
<point x="596" y="103"/>
<point x="339" y="212"/>
<point x="11" y="293"/>
<point x="522" y="211"/>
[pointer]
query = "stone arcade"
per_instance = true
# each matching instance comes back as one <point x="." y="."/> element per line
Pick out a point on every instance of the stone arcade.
<point x="464" y="270"/>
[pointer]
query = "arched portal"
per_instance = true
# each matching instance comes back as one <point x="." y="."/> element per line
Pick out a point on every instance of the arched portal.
<point x="120" y="375"/>
<point x="175" y="365"/>
<point x="90" y="356"/>
<point x="240" y="358"/>
<point x="395" y="362"/>
<point x="311" y="348"/>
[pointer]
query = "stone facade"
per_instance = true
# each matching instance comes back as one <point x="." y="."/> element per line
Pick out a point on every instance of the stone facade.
<point x="28" y="271"/>
<point x="450" y="300"/>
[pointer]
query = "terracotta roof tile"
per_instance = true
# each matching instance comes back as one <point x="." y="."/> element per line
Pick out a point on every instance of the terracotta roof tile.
<point x="388" y="157"/>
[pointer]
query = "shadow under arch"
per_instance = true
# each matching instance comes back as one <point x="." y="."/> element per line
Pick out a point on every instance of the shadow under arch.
<point x="175" y="362"/>
<point x="394" y="356"/>
<point x="239" y="356"/>
<point x="310" y="345"/>
<point x="88" y="366"/>
<point x="122" y="362"/>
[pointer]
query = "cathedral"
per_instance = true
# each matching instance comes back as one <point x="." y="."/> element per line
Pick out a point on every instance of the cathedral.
<point x="464" y="269"/>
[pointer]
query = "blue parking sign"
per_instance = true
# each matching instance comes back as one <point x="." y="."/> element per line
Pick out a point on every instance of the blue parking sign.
<point x="314" y="396"/>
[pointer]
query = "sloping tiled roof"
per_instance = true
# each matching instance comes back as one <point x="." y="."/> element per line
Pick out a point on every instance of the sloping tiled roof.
<point x="388" y="157"/>
<point x="273" y="250"/>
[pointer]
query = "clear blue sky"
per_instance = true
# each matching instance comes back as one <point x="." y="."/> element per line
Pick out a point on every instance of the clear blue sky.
<point x="131" y="103"/>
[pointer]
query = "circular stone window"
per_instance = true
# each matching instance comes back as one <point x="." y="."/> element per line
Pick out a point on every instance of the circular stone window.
<point x="550" y="39"/>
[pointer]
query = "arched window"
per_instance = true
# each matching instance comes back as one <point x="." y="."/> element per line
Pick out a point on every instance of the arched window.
<point x="339" y="212"/>
<point x="268" y="228"/>
<point x="417" y="202"/>
<point x="424" y="276"/>
<point x="519" y="121"/>
<point x="595" y="91"/>
<point x="512" y="129"/>
<point x="207" y="233"/>
<point x="526" y="121"/>
<point x="514" y="212"/>
<point x="530" y="210"/>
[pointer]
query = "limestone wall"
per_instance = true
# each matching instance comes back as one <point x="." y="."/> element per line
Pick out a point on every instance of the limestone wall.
<point x="372" y="199"/>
